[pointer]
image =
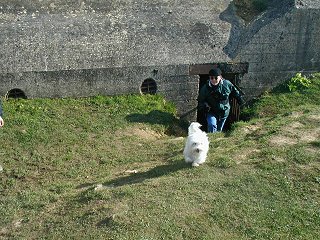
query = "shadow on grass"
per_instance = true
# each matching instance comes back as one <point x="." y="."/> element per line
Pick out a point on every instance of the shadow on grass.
<point x="316" y="144"/>
<point x="152" y="173"/>
<point x="173" y="125"/>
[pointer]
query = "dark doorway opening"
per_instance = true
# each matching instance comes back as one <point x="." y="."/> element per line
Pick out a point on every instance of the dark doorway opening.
<point x="235" y="108"/>
<point x="201" y="116"/>
<point x="234" y="115"/>
<point x="230" y="71"/>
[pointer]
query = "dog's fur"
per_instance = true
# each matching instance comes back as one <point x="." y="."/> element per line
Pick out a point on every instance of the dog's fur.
<point x="197" y="145"/>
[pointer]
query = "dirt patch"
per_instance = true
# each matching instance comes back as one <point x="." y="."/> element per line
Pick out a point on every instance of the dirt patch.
<point x="310" y="135"/>
<point x="245" y="155"/>
<point x="296" y="125"/>
<point x="283" y="140"/>
<point x="314" y="117"/>
<point x="251" y="128"/>
<point x="299" y="134"/>
<point x="140" y="132"/>
<point x="294" y="128"/>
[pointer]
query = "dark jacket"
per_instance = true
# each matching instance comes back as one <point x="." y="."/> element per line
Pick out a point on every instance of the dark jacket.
<point x="217" y="98"/>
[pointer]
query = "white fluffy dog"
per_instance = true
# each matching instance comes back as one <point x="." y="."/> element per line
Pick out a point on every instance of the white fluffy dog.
<point x="197" y="145"/>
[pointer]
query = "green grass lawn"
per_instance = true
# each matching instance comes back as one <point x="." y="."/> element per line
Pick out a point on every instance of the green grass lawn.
<point x="112" y="168"/>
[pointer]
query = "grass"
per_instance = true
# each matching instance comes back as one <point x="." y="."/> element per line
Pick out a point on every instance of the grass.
<point x="112" y="168"/>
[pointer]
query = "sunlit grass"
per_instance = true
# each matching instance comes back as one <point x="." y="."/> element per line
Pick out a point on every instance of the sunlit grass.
<point x="112" y="168"/>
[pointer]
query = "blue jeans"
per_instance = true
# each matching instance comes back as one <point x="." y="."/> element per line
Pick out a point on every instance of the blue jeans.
<point x="215" y="124"/>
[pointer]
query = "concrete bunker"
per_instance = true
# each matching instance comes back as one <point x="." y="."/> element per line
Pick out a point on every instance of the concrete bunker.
<point x="231" y="71"/>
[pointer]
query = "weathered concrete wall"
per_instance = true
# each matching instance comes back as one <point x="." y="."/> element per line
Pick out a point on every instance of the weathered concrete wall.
<point x="172" y="81"/>
<point x="282" y="47"/>
<point x="80" y="48"/>
<point x="112" y="34"/>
